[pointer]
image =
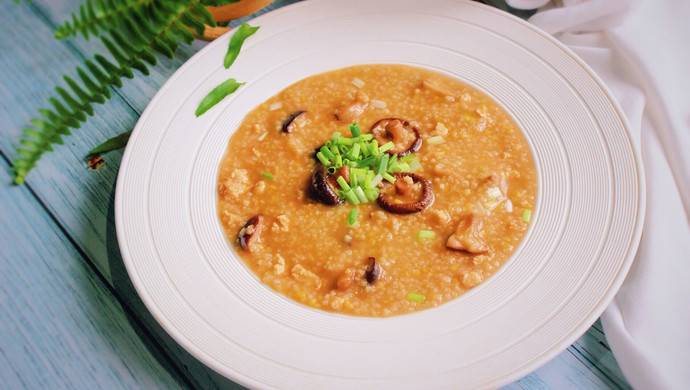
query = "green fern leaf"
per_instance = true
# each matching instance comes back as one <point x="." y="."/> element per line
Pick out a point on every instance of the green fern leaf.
<point x="132" y="39"/>
<point x="82" y="95"/>
<point x="193" y="23"/>
<point x="99" y="15"/>
<point x="135" y="29"/>
<point x="197" y="9"/>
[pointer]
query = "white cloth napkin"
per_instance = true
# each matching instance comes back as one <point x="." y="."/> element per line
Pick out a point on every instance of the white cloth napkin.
<point x="641" y="50"/>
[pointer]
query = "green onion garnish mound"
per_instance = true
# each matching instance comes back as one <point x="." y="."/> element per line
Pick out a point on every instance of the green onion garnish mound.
<point x="368" y="162"/>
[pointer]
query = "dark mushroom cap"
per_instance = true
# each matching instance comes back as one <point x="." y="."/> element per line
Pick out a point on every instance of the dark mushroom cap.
<point x="289" y="122"/>
<point x="322" y="189"/>
<point x="250" y="231"/>
<point x="425" y="200"/>
<point x="380" y="132"/>
<point x="373" y="272"/>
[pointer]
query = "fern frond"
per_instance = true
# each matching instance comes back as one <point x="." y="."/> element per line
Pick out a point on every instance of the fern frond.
<point x="100" y="15"/>
<point x="157" y="31"/>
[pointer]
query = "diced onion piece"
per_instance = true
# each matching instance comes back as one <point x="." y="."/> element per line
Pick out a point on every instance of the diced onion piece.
<point x="357" y="82"/>
<point x="435" y="140"/>
<point x="494" y="192"/>
<point x="275" y="106"/>
<point x="262" y="136"/>
<point x="509" y="206"/>
<point x="377" y="103"/>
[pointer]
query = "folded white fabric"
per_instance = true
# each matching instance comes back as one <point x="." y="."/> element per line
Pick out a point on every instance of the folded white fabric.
<point x="640" y="50"/>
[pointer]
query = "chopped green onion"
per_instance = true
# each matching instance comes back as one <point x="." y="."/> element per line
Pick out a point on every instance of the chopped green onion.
<point x="388" y="145"/>
<point x="354" y="152"/>
<point x="435" y="140"/>
<point x="345" y="141"/>
<point x="368" y="161"/>
<point x="358" y="171"/>
<point x="426" y="234"/>
<point x="343" y="183"/>
<point x="355" y="130"/>
<point x="383" y="164"/>
<point x="353" y="179"/>
<point x="414" y="165"/>
<point x="364" y="148"/>
<point x="267" y="175"/>
<point x="419" y="298"/>
<point x="375" y="148"/>
<point x="368" y="177"/>
<point x="352" y="219"/>
<point x="360" y="178"/>
<point x="526" y="215"/>
<point x="323" y="159"/>
<point x="388" y="177"/>
<point x="403" y="167"/>
<point x="326" y="152"/>
<point x="376" y="180"/>
<point x="349" y="194"/>
<point x="407" y="158"/>
<point x="371" y="193"/>
<point x="360" y="194"/>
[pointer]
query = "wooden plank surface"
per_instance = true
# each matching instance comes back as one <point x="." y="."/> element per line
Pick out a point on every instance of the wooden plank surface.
<point x="79" y="202"/>
<point x="60" y="327"/>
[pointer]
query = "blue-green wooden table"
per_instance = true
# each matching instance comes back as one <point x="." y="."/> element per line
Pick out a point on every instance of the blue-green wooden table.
<point x="69" y="316"/>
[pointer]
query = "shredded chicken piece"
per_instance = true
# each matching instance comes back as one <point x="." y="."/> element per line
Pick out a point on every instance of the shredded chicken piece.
<point x="282" y="224"/>
<point x="472" y="279"/>
<point x="279" y="266"/>
<point x="441" y="129"/>
<point x="304" y="275"/>
<point x="259" y="187"/>
<point x="437" y="86"/>
<point x="349" y="112"/>
<point x="467" y="236"/>
<point x="439" y="217"/>
<point x="236" y="184"/>
<point x="345" y="279"/>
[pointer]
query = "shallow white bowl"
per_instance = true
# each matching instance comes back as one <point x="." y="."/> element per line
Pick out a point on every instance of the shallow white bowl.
<point x="583" y="237"/>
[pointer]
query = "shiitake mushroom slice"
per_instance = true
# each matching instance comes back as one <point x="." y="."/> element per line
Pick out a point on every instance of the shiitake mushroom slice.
<point x="251" y="232"/>
<point x="373" y="272"/>
<point x="400" y="132"/>
<point x="289" y="123"/>
<point x="322" y="188"/>
<point x="424" y="201"/>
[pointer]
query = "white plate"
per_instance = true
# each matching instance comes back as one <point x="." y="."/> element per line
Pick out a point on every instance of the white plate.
<point x="585" y="229"/>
